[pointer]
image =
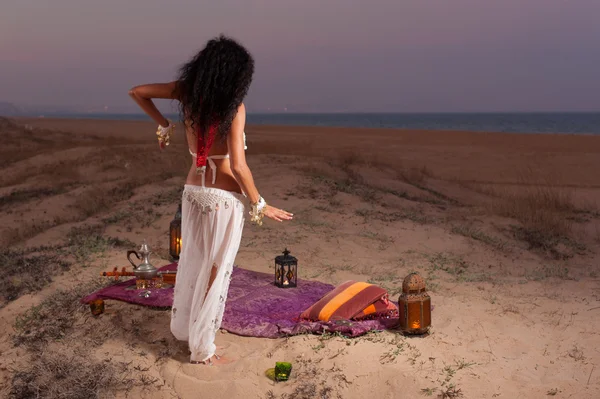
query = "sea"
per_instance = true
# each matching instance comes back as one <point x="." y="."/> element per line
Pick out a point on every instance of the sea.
<point x="550" y="122"/>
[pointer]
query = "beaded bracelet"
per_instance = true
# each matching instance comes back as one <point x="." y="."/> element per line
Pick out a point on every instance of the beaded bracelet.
<point x="164" y="134"/>
<point x="257" y="211"/>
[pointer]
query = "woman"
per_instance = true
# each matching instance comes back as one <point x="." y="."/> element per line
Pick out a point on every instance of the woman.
<point x="210" y="90"/>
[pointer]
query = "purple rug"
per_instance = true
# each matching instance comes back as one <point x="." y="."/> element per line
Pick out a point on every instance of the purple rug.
<point x="255" y="307"/>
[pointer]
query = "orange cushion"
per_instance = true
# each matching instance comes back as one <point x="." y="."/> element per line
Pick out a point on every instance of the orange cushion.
<point x="347" y="301"/>
<point x="381" y="307"/>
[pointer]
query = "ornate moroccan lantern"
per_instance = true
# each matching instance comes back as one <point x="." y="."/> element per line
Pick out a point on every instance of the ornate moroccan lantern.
<point x="175" y="235"/>
<point x="286" y="270"/>
<point x="414" y="305"/>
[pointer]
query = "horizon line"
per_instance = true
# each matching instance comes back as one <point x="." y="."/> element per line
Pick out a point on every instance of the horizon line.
<point x="83" y="113"/>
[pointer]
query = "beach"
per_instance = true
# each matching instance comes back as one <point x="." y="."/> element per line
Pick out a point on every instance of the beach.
<point x="505" y="228"/>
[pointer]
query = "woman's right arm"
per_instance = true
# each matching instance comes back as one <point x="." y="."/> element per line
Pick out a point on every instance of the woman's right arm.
<point x="240" y="169"/>
<point x="144" y="94"/>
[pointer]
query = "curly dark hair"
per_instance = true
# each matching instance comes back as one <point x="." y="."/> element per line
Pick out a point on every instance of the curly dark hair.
<point x="213" y="84"/>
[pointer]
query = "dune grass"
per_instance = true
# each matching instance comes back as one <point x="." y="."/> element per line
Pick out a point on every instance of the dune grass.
<point x="28" y="270"/>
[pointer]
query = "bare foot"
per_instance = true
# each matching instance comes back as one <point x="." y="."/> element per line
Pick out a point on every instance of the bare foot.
<point x="218" y="359"/>
<point x="219" y="348"/>
<point x="215" y="360"/>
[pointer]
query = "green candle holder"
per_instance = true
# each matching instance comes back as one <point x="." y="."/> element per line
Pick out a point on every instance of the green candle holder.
<point x="282" y="371"/>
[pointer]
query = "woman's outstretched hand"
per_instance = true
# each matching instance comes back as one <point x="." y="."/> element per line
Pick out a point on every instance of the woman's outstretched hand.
<point x="277" y="214"/>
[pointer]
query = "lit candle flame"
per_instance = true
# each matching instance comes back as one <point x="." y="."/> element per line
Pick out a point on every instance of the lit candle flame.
<point x="415" y="324"/>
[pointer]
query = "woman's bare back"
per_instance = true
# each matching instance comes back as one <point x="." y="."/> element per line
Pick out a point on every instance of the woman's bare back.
<point x="224" y="178"/>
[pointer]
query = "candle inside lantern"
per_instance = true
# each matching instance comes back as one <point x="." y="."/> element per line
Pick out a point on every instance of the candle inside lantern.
<point x="175" y="235"/>
<point x="286" y="282"/>
<point x="415" y="324"/>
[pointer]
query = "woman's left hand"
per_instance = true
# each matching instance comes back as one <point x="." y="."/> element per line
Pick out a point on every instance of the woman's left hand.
<point x="277" y="214"/>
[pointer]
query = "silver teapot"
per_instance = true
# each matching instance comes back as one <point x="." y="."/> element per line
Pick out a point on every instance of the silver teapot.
<point x="144" y="270"/>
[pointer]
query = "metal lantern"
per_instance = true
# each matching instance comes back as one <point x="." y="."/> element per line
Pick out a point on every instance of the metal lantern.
<point x="97" y="307"/>
<point x="286" y="270"/>
<point x="414" y="306"/>
<point x="175" y="235"/>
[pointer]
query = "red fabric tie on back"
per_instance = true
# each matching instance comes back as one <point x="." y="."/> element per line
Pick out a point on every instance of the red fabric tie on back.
<point x="204" y="144"/>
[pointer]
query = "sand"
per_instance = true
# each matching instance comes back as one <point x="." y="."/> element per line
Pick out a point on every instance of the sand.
<point x="504" y="227"/>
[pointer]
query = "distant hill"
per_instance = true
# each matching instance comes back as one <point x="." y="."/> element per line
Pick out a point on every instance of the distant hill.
<point x="9" y="109"/>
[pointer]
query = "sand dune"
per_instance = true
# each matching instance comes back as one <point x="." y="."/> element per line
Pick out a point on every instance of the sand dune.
<point x="505" y="228"/>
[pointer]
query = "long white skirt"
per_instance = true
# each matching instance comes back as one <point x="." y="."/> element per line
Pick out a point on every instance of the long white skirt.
<point x="212" y="221"/>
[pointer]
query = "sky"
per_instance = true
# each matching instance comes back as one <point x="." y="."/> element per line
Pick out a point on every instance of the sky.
<point x="312" y="55"/>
